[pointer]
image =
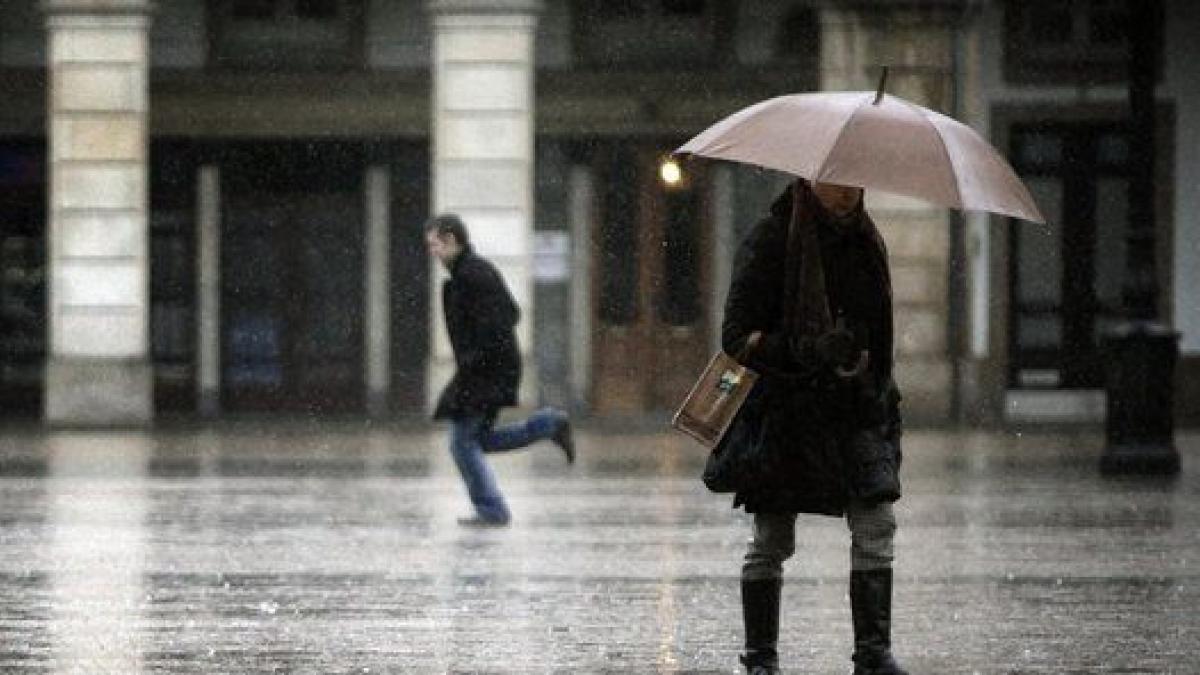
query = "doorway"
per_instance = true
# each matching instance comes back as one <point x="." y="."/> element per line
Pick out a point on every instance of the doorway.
<point x="291" y="280"/>
<point x="1066" y="276"/>
<point x="23" y="270"/>
<point x="651" y="304"/>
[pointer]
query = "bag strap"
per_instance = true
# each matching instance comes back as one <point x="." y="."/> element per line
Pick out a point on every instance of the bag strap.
<point x="748" y="348"/>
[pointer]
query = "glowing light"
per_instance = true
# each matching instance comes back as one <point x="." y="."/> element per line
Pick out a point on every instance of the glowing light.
<point x="670" y="172"/>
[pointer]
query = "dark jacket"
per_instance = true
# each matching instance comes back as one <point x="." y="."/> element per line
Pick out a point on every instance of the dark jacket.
<point x="805" y="414"/>
<point x="480" y="317"/>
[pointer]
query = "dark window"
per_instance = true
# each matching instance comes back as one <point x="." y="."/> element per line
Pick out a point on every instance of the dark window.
<point x="683" y="7"/>
<point x="291" y="275"/>
<point x="645" y="32"/>
<point x="1050" y="22"/>
<point x="254" y="9"/>
<point x="287" y="34"/>
<point x="1066" y="275"/>
<point x="680" y="305"/>
<point x="1036" y="149"/>
<point x="22" y="275"/>
<point x="622" y="9"/>
<point x="173" y="168"/>
<point x="317" y="9"/>
<point x="618" y="264"/>
<point x="1106" y="24"/>
<point x="799" y="39"/>
<point x="1066" y="41"/>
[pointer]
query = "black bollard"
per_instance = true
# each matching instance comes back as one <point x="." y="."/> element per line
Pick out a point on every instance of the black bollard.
<point x="1141" y="352"/>
<point x="1141" y="422"/>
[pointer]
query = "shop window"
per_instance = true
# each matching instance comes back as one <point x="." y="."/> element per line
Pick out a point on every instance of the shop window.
<point x="287" y="34"/>
<point x="1066" y="41"/>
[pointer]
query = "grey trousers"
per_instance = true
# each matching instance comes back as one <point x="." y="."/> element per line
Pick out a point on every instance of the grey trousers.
<point x="872" y="528"/>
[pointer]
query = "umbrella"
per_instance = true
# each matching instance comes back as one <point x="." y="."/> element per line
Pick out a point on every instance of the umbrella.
<point x="870" y="140"/>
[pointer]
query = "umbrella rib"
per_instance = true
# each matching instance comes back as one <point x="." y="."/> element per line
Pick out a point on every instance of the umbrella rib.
<point x="837" y="139"/>
<point x="949" y="161"/>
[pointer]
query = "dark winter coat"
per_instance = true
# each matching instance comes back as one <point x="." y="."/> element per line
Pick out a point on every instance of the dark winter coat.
<point x="480" y="317"/>
<point x="804" y="422"/>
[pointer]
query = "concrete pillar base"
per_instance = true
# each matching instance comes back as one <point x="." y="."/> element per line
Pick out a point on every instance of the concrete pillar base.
<point x="377" y="404"/>
<point x="99" y="392"/>
<point x="208" y="404"/>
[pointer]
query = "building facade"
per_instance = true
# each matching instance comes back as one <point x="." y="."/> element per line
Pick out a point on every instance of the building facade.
<point x="216" y="207"/>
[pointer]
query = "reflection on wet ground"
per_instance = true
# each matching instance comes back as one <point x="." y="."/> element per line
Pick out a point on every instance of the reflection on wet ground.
<point x="305" y="548"/>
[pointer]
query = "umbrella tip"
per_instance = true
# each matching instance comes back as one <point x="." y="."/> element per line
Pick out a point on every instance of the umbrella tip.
<point x="882" y="84"/>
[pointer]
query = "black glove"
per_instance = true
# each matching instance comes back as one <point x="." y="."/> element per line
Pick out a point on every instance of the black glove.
<point x="836" y="347"/>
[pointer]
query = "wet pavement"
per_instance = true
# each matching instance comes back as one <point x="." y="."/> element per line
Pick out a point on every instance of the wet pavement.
<point x="333" y="548"/>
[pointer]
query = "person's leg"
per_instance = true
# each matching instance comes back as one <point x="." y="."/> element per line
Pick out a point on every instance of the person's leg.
<point x="465" y="434"/>
<point x="872" y="530"/>
<point x="546" y="424"/>
<point x="762" y="582"/>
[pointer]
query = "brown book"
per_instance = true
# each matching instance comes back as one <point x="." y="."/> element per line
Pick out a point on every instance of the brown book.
<point x="714" y="400"/>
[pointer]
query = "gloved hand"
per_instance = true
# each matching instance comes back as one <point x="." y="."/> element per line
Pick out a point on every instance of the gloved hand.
<point x="836" y="347"/>
<point x="833" y="349"/>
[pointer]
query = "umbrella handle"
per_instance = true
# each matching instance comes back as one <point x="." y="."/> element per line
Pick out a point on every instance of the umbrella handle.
<point x="882" y="84"/>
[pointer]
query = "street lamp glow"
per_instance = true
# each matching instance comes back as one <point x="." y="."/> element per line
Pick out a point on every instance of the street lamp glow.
<point x="670" y="172"/>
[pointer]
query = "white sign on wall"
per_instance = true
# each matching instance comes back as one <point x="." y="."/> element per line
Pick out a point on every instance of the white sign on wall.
<point x="551" y="256"/>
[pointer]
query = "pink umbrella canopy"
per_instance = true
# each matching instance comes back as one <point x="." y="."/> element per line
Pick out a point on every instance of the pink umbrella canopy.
<point x="873" y="141"/>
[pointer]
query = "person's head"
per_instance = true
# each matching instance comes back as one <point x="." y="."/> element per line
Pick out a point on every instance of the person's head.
<point x="446" y="237"/>
<point x="839" y="200"/>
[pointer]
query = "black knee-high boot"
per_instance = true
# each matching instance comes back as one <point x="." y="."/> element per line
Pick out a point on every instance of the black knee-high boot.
<point x="871" y="610"/>
<point x="760" y="612"/>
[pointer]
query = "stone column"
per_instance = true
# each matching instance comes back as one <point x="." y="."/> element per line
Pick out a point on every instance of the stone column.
<point x="98" y="371"/>
<point x="377" y="318"/>
<point x="208" y="290"/>
<point x="583" y="198"/>
<point x="483" y="67"/>
<point x="917" y="43"/>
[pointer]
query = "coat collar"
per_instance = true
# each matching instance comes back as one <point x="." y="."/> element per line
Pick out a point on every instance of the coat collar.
<point x="456" y="264"/>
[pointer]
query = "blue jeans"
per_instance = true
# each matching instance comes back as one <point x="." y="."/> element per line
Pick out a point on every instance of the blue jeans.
<point x="473" y="435"/>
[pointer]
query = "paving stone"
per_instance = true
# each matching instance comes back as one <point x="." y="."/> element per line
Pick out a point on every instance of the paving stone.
<point x="333" y="548"/>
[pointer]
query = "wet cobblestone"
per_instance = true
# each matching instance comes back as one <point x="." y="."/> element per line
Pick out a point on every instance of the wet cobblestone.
<point x="334" y="549"/>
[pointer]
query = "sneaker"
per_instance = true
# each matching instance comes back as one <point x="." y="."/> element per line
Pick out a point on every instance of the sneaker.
<point x="564" y="438"/>
<point x="480" y="521"/>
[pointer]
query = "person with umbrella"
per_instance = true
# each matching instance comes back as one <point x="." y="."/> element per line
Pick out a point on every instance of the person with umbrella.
<point x="820" y="431"/>
<point x="480" y="317"/>
<point x="821" y="392"/>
